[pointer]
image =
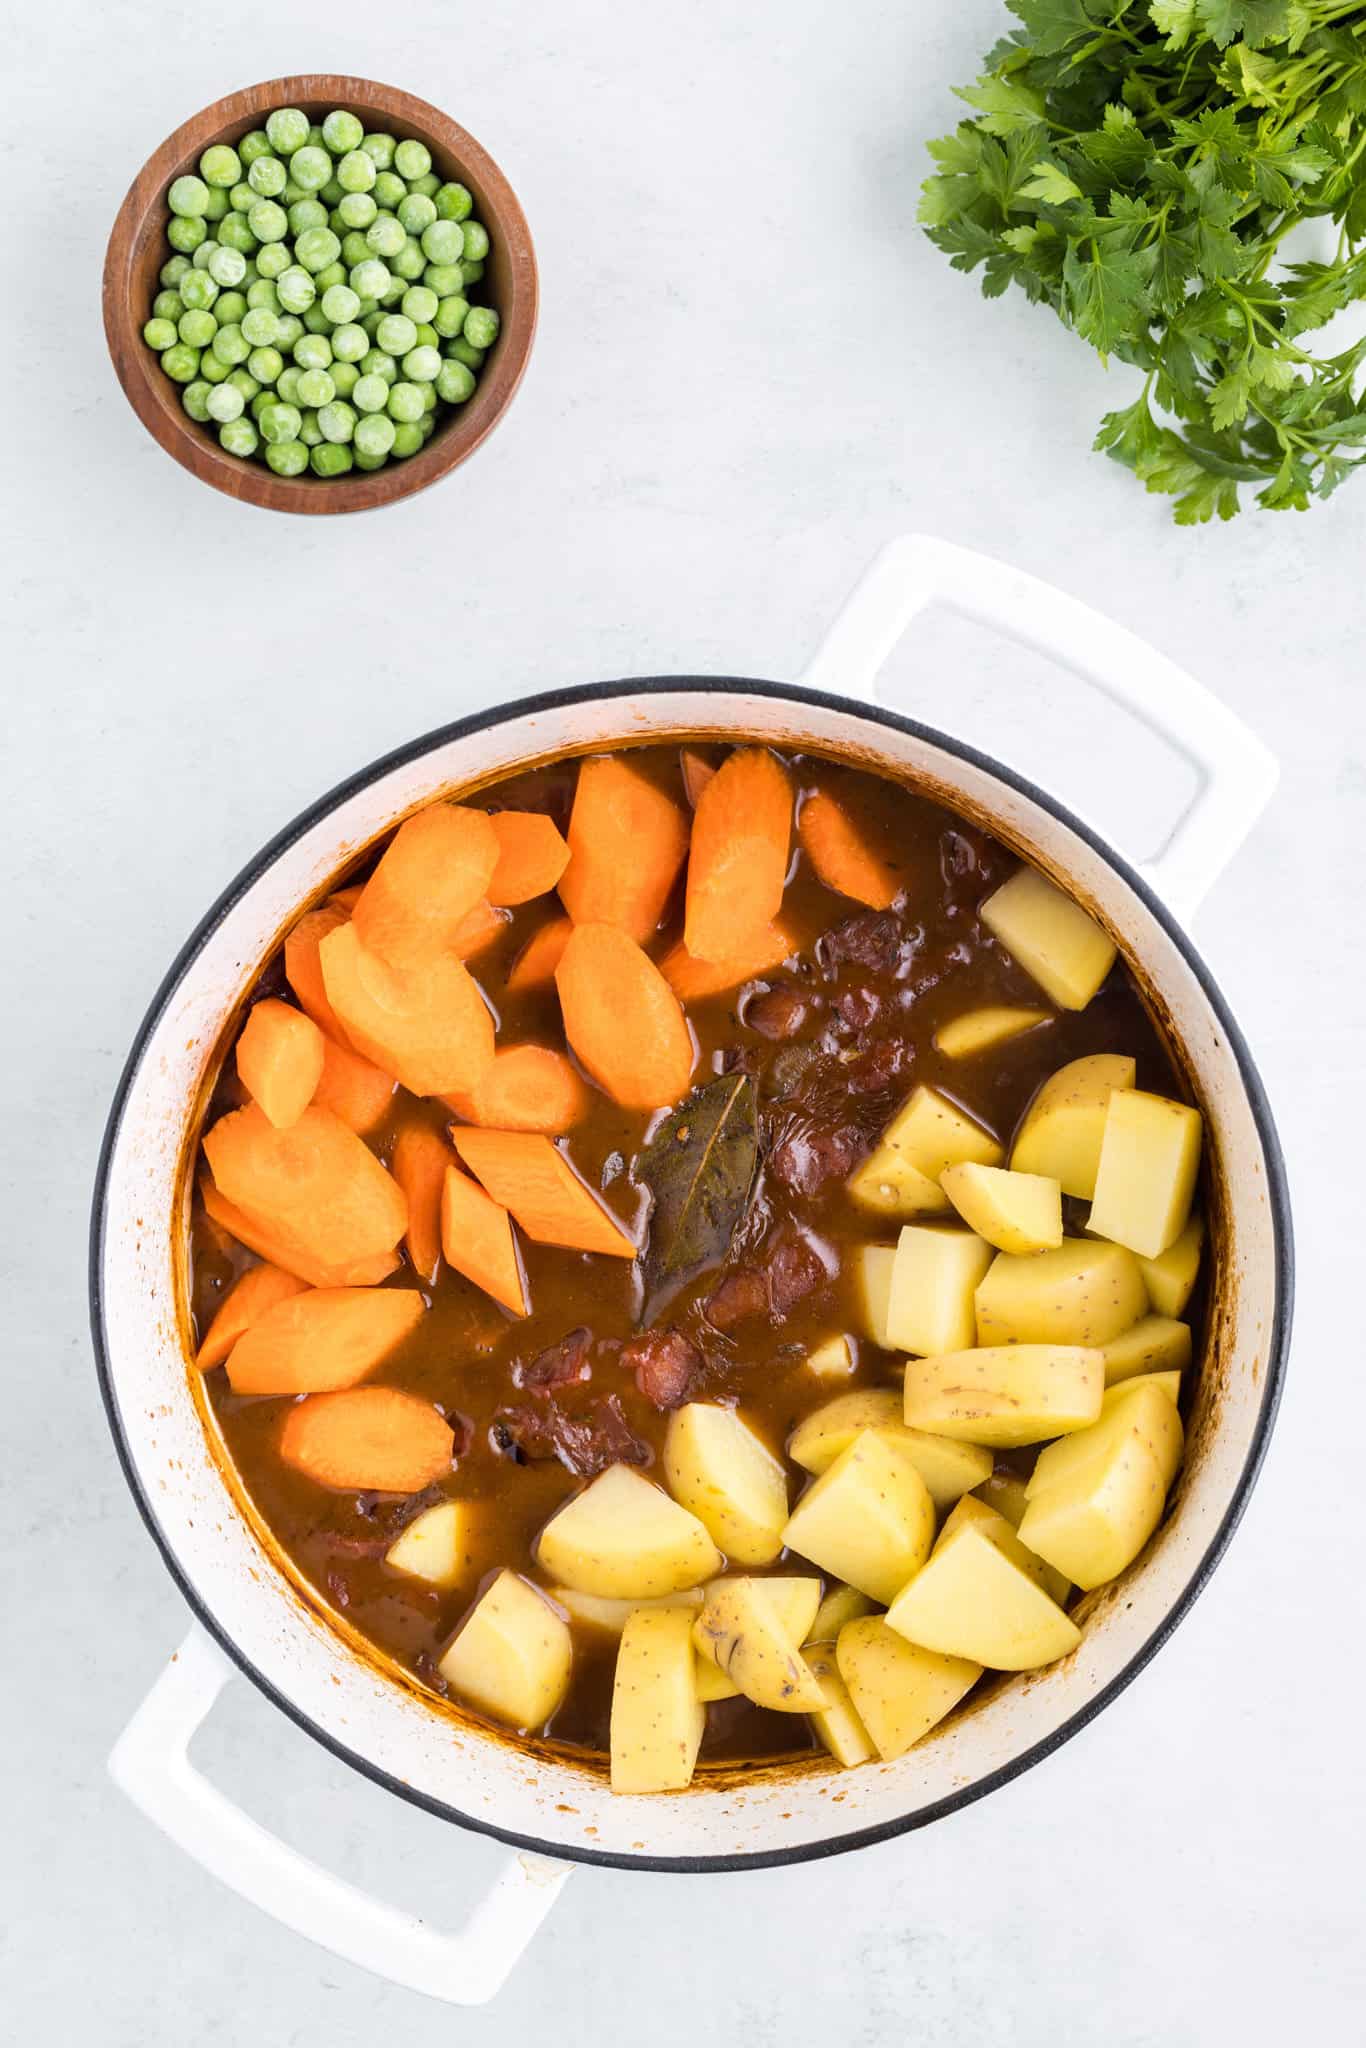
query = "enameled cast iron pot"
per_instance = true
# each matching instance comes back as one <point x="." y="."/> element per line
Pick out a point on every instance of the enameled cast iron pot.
<point x="250" y="1613"/>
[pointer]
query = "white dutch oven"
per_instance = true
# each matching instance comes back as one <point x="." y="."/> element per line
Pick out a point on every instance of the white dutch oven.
<point x="554" y="1811"/>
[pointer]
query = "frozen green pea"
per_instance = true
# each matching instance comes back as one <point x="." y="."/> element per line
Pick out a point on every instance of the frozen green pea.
<point x="360" y="461"/>
<point x="345" y="377"/>
<point x="160" y="334"/>
<point x="273" y="261"/>
<point x="428" y="185"/>
<point x="349" y="340"/>
<point x="405" y="402"/>
<point x="265" y="364"/>
<point x="377" y="362"/>
<point x="427" y="336"/>
<point x="370" y="277"/>
<point x="238" y="437"/>
<point x="342" y="132"/>
<point x="316" y="248"/>
<point x="416" y="212"/>
<point x="419" y="303"/>
<point x="450" y="318"/>
<point x="202" y="255"/>
<point x="212" y="368"/>
<point x="340" y="303"/>
<point x="356" y="172"/>
<point x="379" y="147"/>
<point x="287" y="383"/>
<point x="443" y="241"/>
<point x="287" y="130"/>
<point x="371" y="394"/>
<point x="316" y="321"/>
<point x="227" y="266"/>
<point x="481" y="326"/>
<point x="454" y="382"/>
<point x="168" y="305"/>
<point x="316" y="388"/>
<point x="185" y="233"/>
<point x="258" y="404"/>
<point x="296" y="289"/>
<point x="241" y="199"/>
<point x="268" y="221"/>
<point x="220" y="165"/>
<point x="280" y="422"/>
<point x="310" y="168"/>
<point x="313" y="352"/>
<point x="198" y="328"/>
<point x="225" y="402"/>
<point x="330" y="458"/>
<point x="392" y="293"/>
<point x="357" y="209"/>
<point x="370" y="319"/>
<point x="465" y="352"/>
<point x="188" y="196"/>
<point x="453" y="202"/>
<point x="263" y="292"/>
<point x="257" y="143"/>
<point x="198" y="290"/>
<point x="316" y="138"/>
<point x="267" y="177"/>
<point x="408" y="438"/>
<point x="287" y="458"/>
<point x="412" y="159"/>
<point x="390" y="191"/>
<point x="290" y="328"/>
<point x="396" y="333"/>
<point x="475" y="237"/>
<point x="354" y="249"/>
<point x="230" y="345"/>
<point x="421" y="364"/>
<point x="444" y="280"/>
<point x="293" y="193"/>
<point x="308" y="432"/>
<point x="229" y="307"/>
<point x="332" y="273"/>
<point x="172" y="270"/>
<point x="337" y="421"/>
<point x="260" y="326"/>
<point x="410" y="263"/>
<point x="235" y="233"/>
<point x="218" y="204"/>
<point x="244" y="382"/>
<point x="193" y="399"/>
<point x="374" y="434"/>
<point x="385" y="236"/>
<point x="305" y="214"/>
<point x="473" y="268"/>
<point x="333" y="192"/>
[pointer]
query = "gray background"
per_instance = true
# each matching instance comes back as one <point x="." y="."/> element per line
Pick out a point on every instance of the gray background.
<point x="751" y="371"/>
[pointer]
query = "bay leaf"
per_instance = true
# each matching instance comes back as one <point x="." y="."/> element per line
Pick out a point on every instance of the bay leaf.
<point x="700" y="1166"/>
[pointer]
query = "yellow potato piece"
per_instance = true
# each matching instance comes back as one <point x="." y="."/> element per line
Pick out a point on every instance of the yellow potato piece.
<point x="973" y="1600"/>
<point x="841" y="1604"/>
<point x="1004" y="1491"/>
<point x="1168" y="1383"/>
<point x="933" y="1283"/>
<point x="435" y="1546"/>
<point x="1149" y="1160"/>
<point x="873" y="1288"/>
<point x="833" y="1359"/>
<point x="1000" y="1530"/>
<point x="1149" y="1416"/>
<point x="1153" y="1344"/>
<point x="1170" y="1277"/>
<point x="795" y="1601"/>
<point x="739" y="1628"/>
<point x="1092" y="1517"/>
<point x="612" y="1615"/>
<point x="868" y="1519"/>
<point x="1017" y="1212"/>
<point x="1005" y="1395"/>
<point x="898" y="1691"/>
<point x="887" y="1185"/>
<point x="624" y="1538"/>
<point x="837" y="1722"/>
<point x="1060" y="1134"/>
<point x="718" y="1470"/>
<point x="1051" y="936"/>
<point x="512" y="1657"/>
<point x="657" y="1718"/>
<point x="1085" y="1292"/>
<point x="900" y="1177"/>
<point x="979" y="1030"/>
<point x="947" y="1468"/>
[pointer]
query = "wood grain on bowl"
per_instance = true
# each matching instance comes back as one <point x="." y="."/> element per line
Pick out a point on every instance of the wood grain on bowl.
<point x="137" y="250"/>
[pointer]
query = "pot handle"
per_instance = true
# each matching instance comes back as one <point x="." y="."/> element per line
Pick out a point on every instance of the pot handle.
<point x="1237" y="772"/>
<point x="150" y="1763"/>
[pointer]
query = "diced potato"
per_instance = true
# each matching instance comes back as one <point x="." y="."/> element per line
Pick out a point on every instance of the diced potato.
<point x="900" y="1177"/>
<point x="1170" y="1277"/>
<point x="933" y="1284"/>
<point x="1153" y="1344"/>
<point x="718" y="1469"/>
<point x="1061" y="1132"/>
<point x="434" y="1546"/>
<point x="624" y="1538"/>
<point x="873" y="1283"/>
<point x="841" y="1604"/>
<point x="1168" y="1383"/>
<point x="1148" y="1415"/>
<point x="1051" y="936"/>
<point x="1149" y="1160"/>
<point x="831" y="1360"/>
<point x="973" y="1600"/>
<point x="1005" y="1395"/>
<point x="948" y="1468"/>
<point x="1085" y="1292"/>
<point x="837" y="1722"/>
<point x="1001" y="1531"/>
<point x="795" y="1601"/>
<point x="978" y="1030"/>
<point x="1017" y="1212"/>
<point x="612" y="1615"/>
<point x="868" y="1519"/>
<point x="740" y="1629"/>
<point x="512" y="1657"/>
<point x="1004" y="1491"/>
<point x="899" y="1691"/>
<point x="657" y="1718"/>
<point x="1095" y="1500"/>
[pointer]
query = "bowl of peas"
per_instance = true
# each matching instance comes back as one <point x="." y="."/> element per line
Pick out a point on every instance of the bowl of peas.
<point x="320" y="294"/>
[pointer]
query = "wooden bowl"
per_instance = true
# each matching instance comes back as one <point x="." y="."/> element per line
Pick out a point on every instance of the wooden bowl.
<point x="138" y="248"/>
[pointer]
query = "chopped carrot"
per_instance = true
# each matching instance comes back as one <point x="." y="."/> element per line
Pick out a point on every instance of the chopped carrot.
<point x="841" y="855"/>
<point x="327" y="1338"/>
<point x="424" y="1022"/>
<point x="258" y="1290"/>
<point x="478" y="1241"/>
<point x="419" y="1162"/>
<point x="532" y="855"/>
<point x="627" y="842"/>
<point x="738" y="865"/>
<point x="540" y="956"/>
<point x="623" y="1021"/>
<point x="367" y="1440"/>
<point x="346" y="899"/>
<point x="316" y="1187"/>
<point x="529" y="1175"/>
<point x="692" y="981"/>
<point x="280" y="1060"/>
<point x="354" y="1089"/>
<point x="303" y="971"/>
<point x="697" y="773"/>
<point x="527" y="1088"/>
<point x="478" y="929"/>
<point x="434" y="870"/>
<point x="258" y="1238"/>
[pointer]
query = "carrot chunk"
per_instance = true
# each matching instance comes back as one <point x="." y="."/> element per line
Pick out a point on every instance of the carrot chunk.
<point x="328" y="1338"/>
<point x="367" y="1439"/>
<point x="529" y="1175"/>
<point x="432" y="873"/>
<point x="623" y="1021"/>
<point x="692" y="981"/>
<point x="527" y="1088"/>
<point x="532" y="855"/>
<point x="737" y="869"/>
<point x="627" y="841"/>
<point x="259" y="1238"/>
<point x="697" y="773"/>
<point x="303" y="970"/>
<point x="424" y="1022"/>
<point x="419" y="1163"/>
<point x="354" y="1089"/>
<point x="478" y="1241"/>
<point x="346" y="899"/>
<point x="841" y="855"/>
<point x="280" y="1060"/>
<point x="478" y="929"/>
<point x="316" y="1187"/>
<point x="257" y="1290"/>
<point x="540" y="956"/>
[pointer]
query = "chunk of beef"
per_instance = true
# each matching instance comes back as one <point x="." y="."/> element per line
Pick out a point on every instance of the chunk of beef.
<point x="666" y="1365"/>
<point x="795" y="1269"/>
<point x="858" y="1007"/>
<point x="584" y="1444"/>
<point x="878" y="1067"/>
<point x="559" y="1364"/>
<point x="811" y="1152"/>
<point x="778" y="1014"/>
<point x="873" y="939"/>
<point x="740" y="1295"/>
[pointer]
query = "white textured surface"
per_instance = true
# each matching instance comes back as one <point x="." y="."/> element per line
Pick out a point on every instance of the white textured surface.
<point x="751" y="371"/>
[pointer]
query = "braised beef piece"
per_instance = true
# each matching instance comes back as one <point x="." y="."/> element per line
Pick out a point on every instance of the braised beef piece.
<point x="810" y="1153"/>
<point x="666" y="1365"/>
<point x="873" y="939"/>
<point x="792" y="1270"/>
<point x="877" y="1068"/>
<point x="559" y="1364"/>
<point x="740" y="1295"/>
<point x="778" y="1014"/>
<point x="858" y="1007"/>
<point x="584" y="1444"/>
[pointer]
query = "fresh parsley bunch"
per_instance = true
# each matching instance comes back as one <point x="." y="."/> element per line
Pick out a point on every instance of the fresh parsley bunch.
<point x="1136" y="164"/>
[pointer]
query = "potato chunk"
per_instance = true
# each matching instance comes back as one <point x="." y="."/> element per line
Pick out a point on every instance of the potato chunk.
<point x="1149" y="1159"/>
<point x="841" y="1604"/>
<point x="833" y="1359"/>
<point x="1168" y="1383"/>
<point x="873" y="1285"/>
<point x="1017" y="1212"/>
<point x="1091" y="1514"/>
<point x="717" y="1468"/>
<point x="975" y="1600"/>
<point x="837" y="1722"/>
<point x="899" y="1691"/>
<point x="435" y="1546"/>
<point x="1085" y="1292"/>
<point x="868" y="1519"/>
<point x="1051" y="936"/>
<point x="740" y="1629"/>
<point x="1153" y="1344"/>
<point x="900" y="1177"/>
<point x="657" y="1718"/>
<point x="1148" y="1414"/>
<point x="624" y="1538"/>
<point x="1170" y="1277"/>
<point x="1002" y="1532"/>
<point x="947" y="1468"/>
<point x="933" y="1283"/>
<point x="1005" y="1395"/>
<point x="795" y="1601"/>
<point x="1060" y="1135"/>
<point x="612" y="1615"/>
<point x="979" y="1030"/>
<point x="512" y="1656"/>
